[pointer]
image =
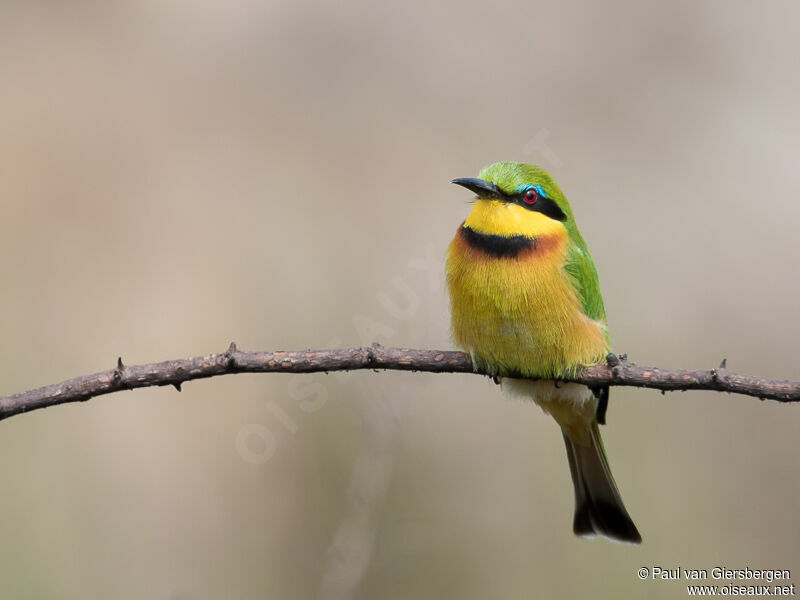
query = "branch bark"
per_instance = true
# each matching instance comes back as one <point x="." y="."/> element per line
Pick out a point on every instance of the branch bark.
<point x="616" y="372"/>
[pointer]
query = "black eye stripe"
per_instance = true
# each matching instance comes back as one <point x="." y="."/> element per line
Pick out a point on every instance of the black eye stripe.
<point x="544" y="205"/>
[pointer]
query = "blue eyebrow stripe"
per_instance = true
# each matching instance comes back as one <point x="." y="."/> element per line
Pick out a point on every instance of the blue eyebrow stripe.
<point x="521" y="188"/>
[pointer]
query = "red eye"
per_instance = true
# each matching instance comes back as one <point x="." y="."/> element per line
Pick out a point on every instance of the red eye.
<point x="530" y="196"/>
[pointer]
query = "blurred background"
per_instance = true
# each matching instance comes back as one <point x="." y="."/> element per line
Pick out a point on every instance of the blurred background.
<point x="178" y="175"/>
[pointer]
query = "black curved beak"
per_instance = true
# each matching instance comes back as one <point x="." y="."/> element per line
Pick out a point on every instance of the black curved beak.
<point x="484" y="189"/>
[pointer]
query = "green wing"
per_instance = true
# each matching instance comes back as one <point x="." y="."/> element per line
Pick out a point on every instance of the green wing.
<point x="580" y="266"/>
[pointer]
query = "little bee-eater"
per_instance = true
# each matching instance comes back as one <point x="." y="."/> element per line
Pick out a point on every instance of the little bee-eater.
<point x="525" y="300"/>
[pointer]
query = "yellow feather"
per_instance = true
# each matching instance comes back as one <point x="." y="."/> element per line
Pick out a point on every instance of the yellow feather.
<point x="504" y="218"/>
<point x="519" y="314"/>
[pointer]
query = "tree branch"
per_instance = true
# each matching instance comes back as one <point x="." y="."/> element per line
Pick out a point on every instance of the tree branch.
<point x="617" y="371"/>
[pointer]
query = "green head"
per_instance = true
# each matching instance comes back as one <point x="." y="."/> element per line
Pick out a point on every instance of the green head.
<point x="514" y="178"/>
<point x="519" y="185"/>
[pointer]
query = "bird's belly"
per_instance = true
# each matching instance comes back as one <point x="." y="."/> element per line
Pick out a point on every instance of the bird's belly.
<point x="521" y="316"/>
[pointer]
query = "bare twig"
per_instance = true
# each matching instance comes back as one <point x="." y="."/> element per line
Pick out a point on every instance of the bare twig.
<point x="617" y="371"/>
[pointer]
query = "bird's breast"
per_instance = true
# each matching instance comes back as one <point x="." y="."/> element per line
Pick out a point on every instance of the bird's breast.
<point x="515" y="308"/>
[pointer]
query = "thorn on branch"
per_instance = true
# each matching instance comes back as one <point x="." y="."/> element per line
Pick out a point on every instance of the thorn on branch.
<point x="177" y="385"/>
<point x="119" y="370"/>
<point x="723" y="364"/>
<point x="230" y="356"/>
<point x="373" y="351"/>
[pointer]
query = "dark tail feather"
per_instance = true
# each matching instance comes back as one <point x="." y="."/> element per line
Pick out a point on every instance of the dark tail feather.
<point x="598" y="507"/>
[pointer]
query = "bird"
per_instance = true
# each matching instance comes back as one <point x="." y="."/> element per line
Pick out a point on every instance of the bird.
<point x="525" y="301"/>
